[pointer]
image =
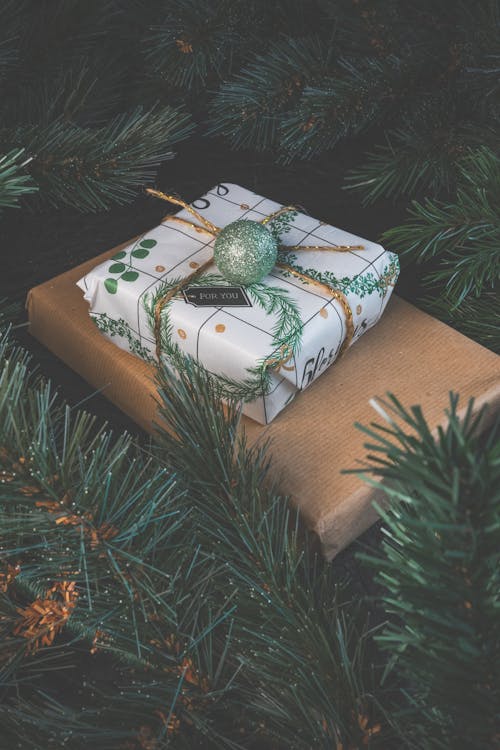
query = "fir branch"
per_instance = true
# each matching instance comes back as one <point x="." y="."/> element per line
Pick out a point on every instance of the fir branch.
<point x="440" y="570"/>
<point x="192" y="586"/>
<point x="480" y="54"/>
<point x="86" y="93"/>
<point x="290" y="614"/>
<point x="192" y="44"/>
<point x="92" y="511"/>
<point x="10" y="32"/>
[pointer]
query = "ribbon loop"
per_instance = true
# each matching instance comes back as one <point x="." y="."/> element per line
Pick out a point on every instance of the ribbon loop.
<point x="212" y="229"/>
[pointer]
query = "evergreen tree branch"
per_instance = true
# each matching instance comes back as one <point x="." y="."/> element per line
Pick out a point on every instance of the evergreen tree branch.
<point x="190" y="586"/>
<point x="91" y="168"/>
<point x="93" y="517"/>
<point x="423" y="156"/>
<point x="342" y="103"/>
<point x="462" y="238"/>
<point x="281" y="582"/>
<point x="192" y="44"/>
<point x="440" y="571"/>
<point x="14" y="182"/>
<point x="248" y="109"/>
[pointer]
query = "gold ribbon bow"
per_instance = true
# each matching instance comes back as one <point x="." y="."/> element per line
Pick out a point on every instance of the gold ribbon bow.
<point x="206" y="227"/>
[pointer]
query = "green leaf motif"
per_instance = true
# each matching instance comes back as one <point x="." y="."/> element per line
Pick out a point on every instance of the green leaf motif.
<point x="140" y="252"/>
<point x="119" y="255"/>
<point x="111" y="285"/>
<point x="286" y="332"/>
<point x="148" y="243"/>
<point x="129" y="276"/>
<point x="117" y="268"/>
<point x="121" y="328"/>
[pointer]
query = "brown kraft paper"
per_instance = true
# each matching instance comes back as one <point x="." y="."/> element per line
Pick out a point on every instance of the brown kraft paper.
<point x="407" y="353"/>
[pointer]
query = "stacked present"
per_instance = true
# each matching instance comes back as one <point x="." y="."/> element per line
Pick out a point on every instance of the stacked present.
<point x="265" y="340"/>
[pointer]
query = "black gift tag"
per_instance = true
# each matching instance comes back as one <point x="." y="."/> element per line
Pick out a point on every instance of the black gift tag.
<point x="216" y="296"/>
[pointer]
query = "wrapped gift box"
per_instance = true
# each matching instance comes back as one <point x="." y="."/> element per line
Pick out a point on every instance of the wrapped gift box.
<point x="409" y="353"/>
<point x="234" y="335"/>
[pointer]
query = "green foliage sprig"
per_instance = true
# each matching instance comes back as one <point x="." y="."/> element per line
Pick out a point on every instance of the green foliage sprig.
<point x="92" y="168"/>
<point x="188" y="607"/>
<point x="439" y="567"/>
<point x="423" y="155"/>
<point x="286" y="334"/>
<point x="197" y="613"/>
<point x="457" y="244"/>
<point x="14" y="182"/>
<point x="463" y="235"/>
<point x="476" y="317"/>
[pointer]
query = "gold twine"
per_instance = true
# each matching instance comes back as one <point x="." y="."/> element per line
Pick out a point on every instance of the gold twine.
<point x="211" y="229"/>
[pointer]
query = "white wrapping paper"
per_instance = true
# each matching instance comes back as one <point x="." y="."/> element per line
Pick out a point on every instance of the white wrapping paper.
<point x="242" y="335"/>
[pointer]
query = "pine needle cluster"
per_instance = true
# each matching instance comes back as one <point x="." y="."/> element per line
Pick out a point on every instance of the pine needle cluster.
<point x="457" y="245"/>
<point x="439" y="566"/>
<point x="94" y="96"/>
<point x="166" y="595"/>
<point x="290" y="77"/>
<point x="146" y="603"/>
<point x="69" y="102"/>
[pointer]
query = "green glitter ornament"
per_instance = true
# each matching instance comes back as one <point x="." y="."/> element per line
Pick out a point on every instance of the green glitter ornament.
<point x="245" y="251"/>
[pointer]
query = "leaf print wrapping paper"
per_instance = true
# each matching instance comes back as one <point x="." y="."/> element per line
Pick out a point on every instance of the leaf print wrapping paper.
<point x="264" y="342"/>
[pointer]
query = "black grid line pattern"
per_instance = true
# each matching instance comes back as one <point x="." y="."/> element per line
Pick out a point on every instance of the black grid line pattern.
<point x="295" y="224"/>
<point x="171" y="269"/>
<point x="159" y="279"/>
<point x="302" y="287"/>
<point x="251" y="208"/>
<point x="212" y="206"/>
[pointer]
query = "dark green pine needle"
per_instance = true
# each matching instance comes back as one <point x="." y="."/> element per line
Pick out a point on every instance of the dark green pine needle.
<point x="439" y="569"/>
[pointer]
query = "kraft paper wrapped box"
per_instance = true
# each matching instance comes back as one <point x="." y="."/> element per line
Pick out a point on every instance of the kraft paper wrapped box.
<point x="266" y="341"/>
<point x="408" y="353"/>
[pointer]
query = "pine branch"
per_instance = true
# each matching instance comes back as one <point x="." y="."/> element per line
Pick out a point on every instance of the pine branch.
<point x="306" y="676"/>
<point x="86" y="93"/>
<point x="189" y="586"/>
<point x="479" y="54"/>
<point x="193" y="43"/>
<point x="92" y="517"/>
<point x="92" y="168"/>
<point x="10" y="33"/>
<point x="249" y="108"/>
<point x="440" y="571"/>
<point x="423" y="156"/>
<point x="14" y="182"/>
<point x="342" y="103"/>
<point x="463" y="237"/>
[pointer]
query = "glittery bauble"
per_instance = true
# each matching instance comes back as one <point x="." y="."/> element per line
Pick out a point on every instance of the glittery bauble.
<point x="245" y="251"/>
